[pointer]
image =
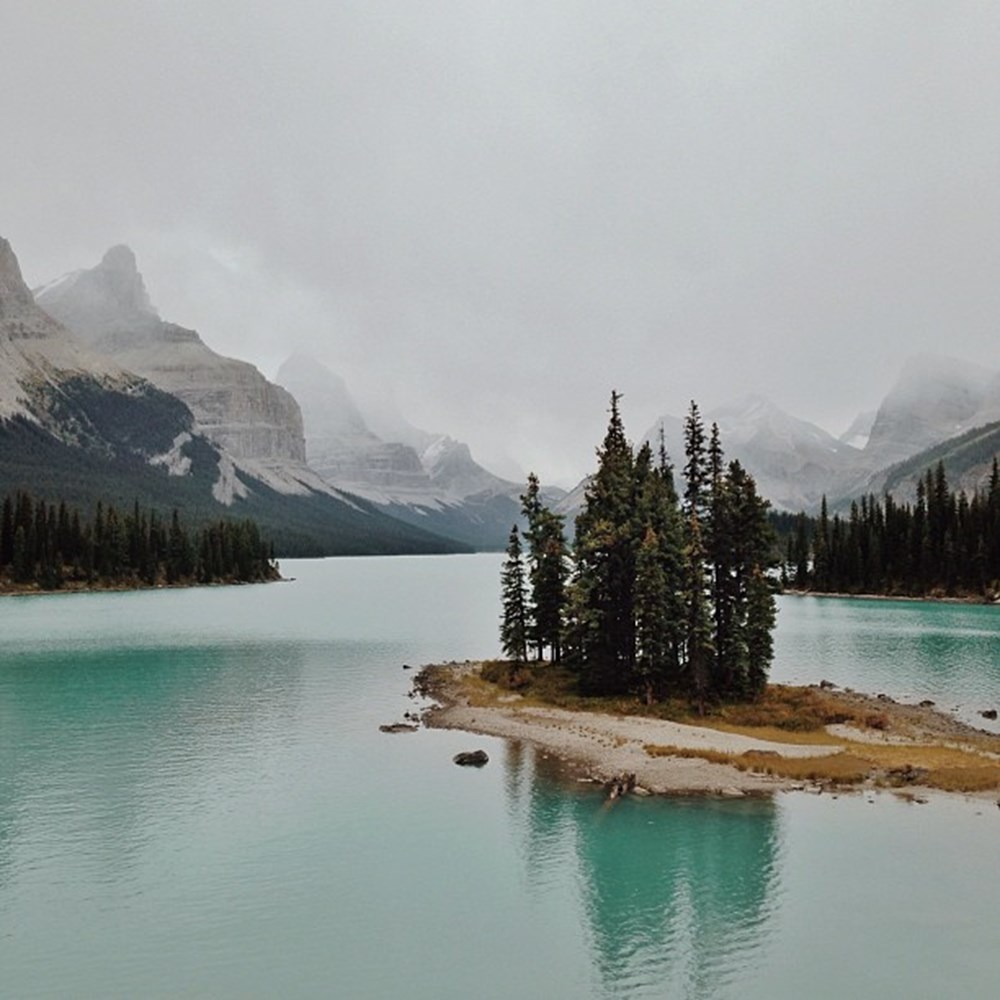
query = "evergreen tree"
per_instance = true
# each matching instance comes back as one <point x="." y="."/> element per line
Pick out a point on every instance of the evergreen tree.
<point x="699" y="651"/>
<point x="547" y="572"/>
<point x="653" y="628"/>
<point x="514" y="620"/>
<point x="605" y="553"/>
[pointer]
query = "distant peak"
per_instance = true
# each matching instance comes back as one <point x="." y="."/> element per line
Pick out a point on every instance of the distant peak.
<point x="13" y="291"/>
<point x="119" y="275"/>
<point x="8" y="260"/>
<point x="120" y="258"/>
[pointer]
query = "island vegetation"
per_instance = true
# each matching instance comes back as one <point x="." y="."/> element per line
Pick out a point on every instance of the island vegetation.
<point x="661" y="595"/>
<point x="51" y="546"/>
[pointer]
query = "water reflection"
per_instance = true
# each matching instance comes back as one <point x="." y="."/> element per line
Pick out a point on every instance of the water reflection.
<point x="679" y="895"/>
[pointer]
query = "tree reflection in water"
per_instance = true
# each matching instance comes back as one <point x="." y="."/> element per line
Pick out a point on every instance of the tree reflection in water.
<point x="679" y="894"/>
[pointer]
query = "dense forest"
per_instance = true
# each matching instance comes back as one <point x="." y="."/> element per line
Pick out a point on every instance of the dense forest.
<point x="50" y="546"/>
<point x="944" y="544"/>
<point x="660" y="595"/>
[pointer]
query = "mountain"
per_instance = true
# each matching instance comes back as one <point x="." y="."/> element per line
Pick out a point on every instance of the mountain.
<point x="257" y="424"/>
<point x="938" y="408"/>
<point x="75" y="425"/>
<point x="860" y="431"/>
<point x="793" y="461"/>
<point x="934" y="399"/>
<point x="967" y="459"/>
<point x="51" y="384"/>
<point x="420" y="477"/>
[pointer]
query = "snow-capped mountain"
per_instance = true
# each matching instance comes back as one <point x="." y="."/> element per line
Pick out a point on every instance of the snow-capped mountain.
<point x="934" y="398"/>
<point x="428" y="479"/>
<point x="76" y="425"/>
<point x="257" y="424"/>
<point x="793" y="461"/>
<point x="50" y="380"/>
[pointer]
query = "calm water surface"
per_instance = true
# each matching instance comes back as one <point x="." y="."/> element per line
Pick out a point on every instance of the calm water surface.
<point x="195" y="800"/>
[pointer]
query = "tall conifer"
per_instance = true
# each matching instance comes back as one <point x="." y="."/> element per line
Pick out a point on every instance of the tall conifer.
<point x="514" y="618"/>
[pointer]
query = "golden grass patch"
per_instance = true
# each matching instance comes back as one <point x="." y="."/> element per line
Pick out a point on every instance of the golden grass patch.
<point x="843" y="768"/>
<point x="946" y="768"/>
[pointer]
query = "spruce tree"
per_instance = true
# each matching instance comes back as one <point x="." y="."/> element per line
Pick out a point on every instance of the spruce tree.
<point x="514" y="619"/>
<point x="604" y="552"/>
<point x="547" y="572"/>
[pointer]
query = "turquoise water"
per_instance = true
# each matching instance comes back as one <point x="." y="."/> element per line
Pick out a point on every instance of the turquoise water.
<point x="949" y="653"/>
<point x="195" y="800"/>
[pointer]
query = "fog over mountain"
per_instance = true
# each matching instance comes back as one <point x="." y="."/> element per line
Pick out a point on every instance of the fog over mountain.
<point x="507" y="211"/>
<point x="424" y="478"/>
<point x="257" y="423"/>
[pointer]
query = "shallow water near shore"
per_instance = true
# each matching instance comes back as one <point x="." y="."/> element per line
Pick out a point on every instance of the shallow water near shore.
<point x="195" y="800"/>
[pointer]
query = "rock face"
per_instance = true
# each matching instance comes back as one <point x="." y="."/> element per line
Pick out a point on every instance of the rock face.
<point x="934" y="398"/>
<point x="339" y="445"/>
<point x="425" y="479"/>
<point x="257" y="423"/>
<point x="50" y="380"/>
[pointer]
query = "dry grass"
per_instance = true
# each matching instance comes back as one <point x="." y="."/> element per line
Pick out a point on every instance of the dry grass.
<point x="948" y="768"/>
<point x="784" y="714"/>
<point x="841" y="768"/>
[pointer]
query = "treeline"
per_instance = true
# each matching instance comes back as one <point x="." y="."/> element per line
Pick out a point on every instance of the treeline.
<point x="50" y="545"/>
<point x="660" y="595"/>
<point x="943" y="544"/>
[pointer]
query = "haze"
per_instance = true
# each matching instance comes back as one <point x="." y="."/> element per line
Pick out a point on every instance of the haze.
<point x="495" y="213"/>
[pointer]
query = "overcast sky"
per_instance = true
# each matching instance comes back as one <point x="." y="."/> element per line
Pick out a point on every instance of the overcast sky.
<point x="499" y="211"/>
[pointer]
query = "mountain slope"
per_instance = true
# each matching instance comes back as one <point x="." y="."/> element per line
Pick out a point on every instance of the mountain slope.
<point x="430" y="480"/>
<point x="74" y="425"/>
<point x="794" y="462"/>
<point x="967" y="459"/>
<point x="933" y="399"/>
<point x="257" y="423"/>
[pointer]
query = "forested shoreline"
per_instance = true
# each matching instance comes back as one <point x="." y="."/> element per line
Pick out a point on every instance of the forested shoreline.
<point x="945" y="544"/>
<point x="51" y="546"/>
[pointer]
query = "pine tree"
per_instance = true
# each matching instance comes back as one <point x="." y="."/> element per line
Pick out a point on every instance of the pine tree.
<point x="699" y="651"/>
<point x="547" y="572"/>
<point x="605" y="551"/>
<point x="514" y="620"/>
<point x="760" y="625"/>
<point x="653" y="628"/>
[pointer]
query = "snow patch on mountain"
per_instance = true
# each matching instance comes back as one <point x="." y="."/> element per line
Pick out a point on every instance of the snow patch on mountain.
<point x="174" y="460"/>
<point x="257" y="423"/>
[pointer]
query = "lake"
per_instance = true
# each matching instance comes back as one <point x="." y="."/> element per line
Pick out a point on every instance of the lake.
<point x="195" y="800"/>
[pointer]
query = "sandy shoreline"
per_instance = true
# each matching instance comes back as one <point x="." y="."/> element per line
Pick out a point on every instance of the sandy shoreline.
<point x="602" y="747"/>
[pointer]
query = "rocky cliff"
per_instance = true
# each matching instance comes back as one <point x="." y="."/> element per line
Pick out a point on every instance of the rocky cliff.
<point x="427" y="479"/>
<point x="257" y="423"/>
<point x="80" y="397"/>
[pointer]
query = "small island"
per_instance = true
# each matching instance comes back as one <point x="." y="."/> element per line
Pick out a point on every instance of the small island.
<point x="816" y="738"/>
<point x="640" y="657"/>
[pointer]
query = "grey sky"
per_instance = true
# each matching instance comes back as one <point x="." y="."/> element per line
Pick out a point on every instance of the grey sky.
<point x="500" y="211"/>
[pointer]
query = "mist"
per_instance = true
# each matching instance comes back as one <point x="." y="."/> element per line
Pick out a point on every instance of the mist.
<point x="490" y="216"/>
